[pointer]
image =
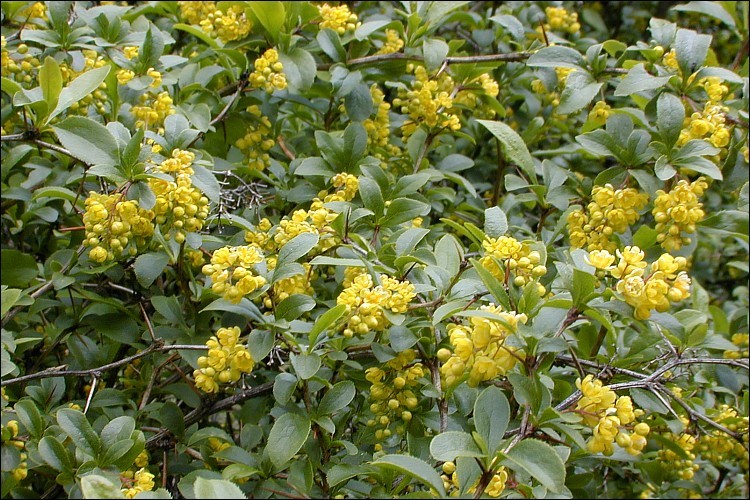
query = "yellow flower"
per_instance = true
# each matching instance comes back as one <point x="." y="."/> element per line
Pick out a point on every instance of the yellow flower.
<point x="600" y="259"/>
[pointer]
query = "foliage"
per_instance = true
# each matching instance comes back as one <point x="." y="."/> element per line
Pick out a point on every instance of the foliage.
<point x="375" y="249"/>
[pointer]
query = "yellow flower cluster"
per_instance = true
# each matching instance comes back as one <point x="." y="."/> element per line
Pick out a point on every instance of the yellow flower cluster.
<point x="131" y="51"/>
<point x="378" y="128"/>
<point x="497" y="483"/>
<point x="261" y="237"/>
<point x="37" y="10"/>
<point x="683" y="468"/>
<point x="392" y="393"/>
<point x="115" y="226"/>
<point x="429" y="102"/>
<point x="563" y="74"/>
<point x="9" y="434"/>
<point x="366" y="302"/>
<point x="670" y="60"/>
<point x="469" y="95"/>
<point x="479" y="349"/>
<point x="608" y="416"/>
<point x="559" y="19"/>
<point x="665" y="282"/>
<point x="346" y="185"/>
<point x="715" y="88"/>
<point x="610" y="211"/>
<point x="317" y="220"/>
<point x="226" y="26"/>
<point x="125" y="75"/>
<point x="718" y="447"/>
<point x="269" y="72"/>
<point x="153" y="110"/>
<point x="180" y="207"/>
<point x="710" y="124"/>
<point x="225" y="362"/>
<point x="142" y="480"/>
<point x="678" y="211"/>
<point x="393" y="43"/>
<point x="195" y="12"/>
<point x="451" y="483"/>
<point x="24" y="71"/>
<point x="508" y="255"/>
<point x="741" y="340"/>
<point x="257" y="141"/>
<point x="283" y="288"/>
<point x="339" y="19"/>
<point x="600" y="112"/>
<point x="232" y="272"/>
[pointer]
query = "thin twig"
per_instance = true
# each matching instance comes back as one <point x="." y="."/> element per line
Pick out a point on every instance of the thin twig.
<point x="221" y="405"/>
<point x="699" y="416"/>
<point x="60" y="371"/>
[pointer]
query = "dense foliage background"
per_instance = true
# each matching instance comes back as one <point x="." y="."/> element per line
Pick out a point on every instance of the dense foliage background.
<point x="374" y="249"/>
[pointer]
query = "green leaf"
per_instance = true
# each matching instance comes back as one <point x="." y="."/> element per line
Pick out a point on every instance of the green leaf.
<point x="152" y="49"/>
<point x="18" y="268"/>
<point x="580" y="89"/>
<point x="287" y="436"/>
<point x="495" y="222"/>
<point x="414" y="467"/>
<point x="511" y="24"/>
<point x="87" y="140"/>
<point x="556" y="56"/>
<point x="670" y="114"/>
<point x="330" y="43"/>
<point x="98" y="486"/>
<point x="492" y="284"/>
<point x="337" y="397"/>
<point x="323" y="322"/>
<point x="691" y="50"/>
<point x="54" y="454"/>
<point x="712" y="9"/>
<point x="639" y="80"/>
<point x="271" y="15"/>
<point x="76" y="425"/>
<point x="358" y="103"/>
<point x="172" y="418"/>
<point x="434" y="51"/>
<point x="12" y="297"/>
<point x="372" y="197"/>
<point x="583" y="286"/>
<point x="10" y="87"/>
<point x="514" y="149"/>
<point x="305" y="365"/>
<point x="198" y="33"/>
<point x="79" y="88"/>
<point x="539" y="460"/>
<point x="402" y="210"/>
<point x="491" y="416"/>
<point x="446" y="446"/>
<point x="216" y="489"/>
<point x="28" y="414"/>
<point x="294" y="306"/>
<point x="206" y="181"/>
<point x="365" y="29"/>
<point x="149" y="266"/>
<point x="50" y="80"/>
<point x="292" y="250"/>
<point x="299" y="68"/>
<point x="117" y="429"/>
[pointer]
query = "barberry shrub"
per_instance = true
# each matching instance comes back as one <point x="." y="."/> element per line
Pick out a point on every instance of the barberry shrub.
<point x="374" y="249"/>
